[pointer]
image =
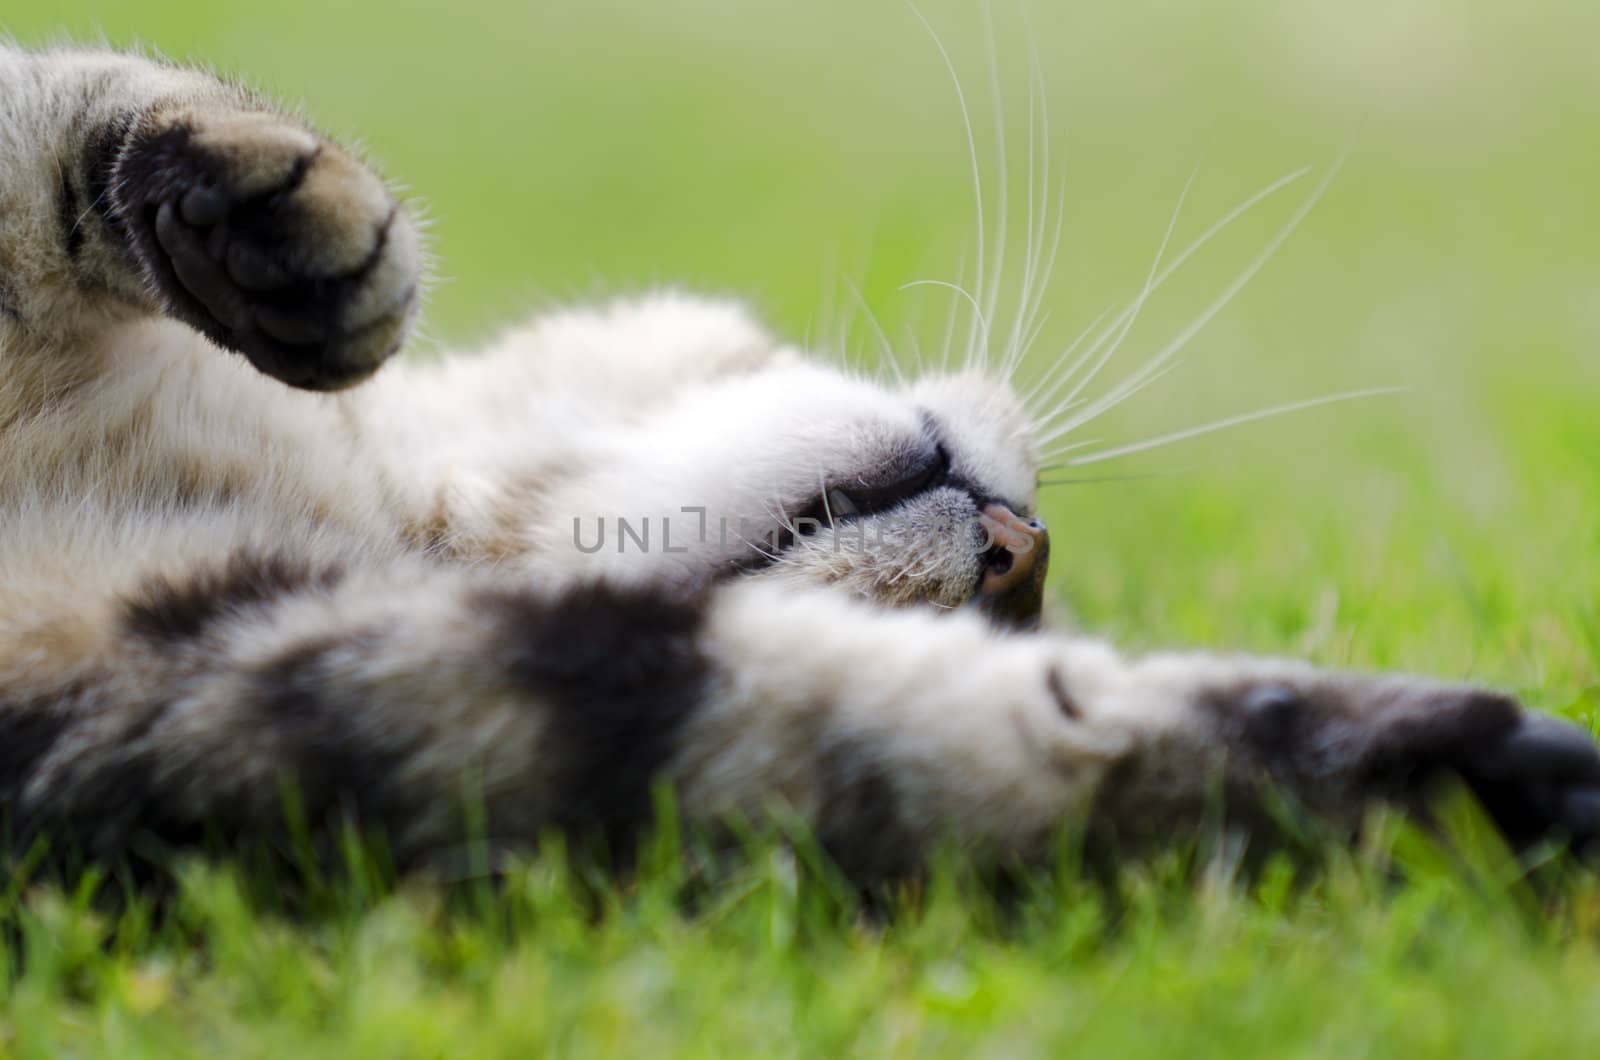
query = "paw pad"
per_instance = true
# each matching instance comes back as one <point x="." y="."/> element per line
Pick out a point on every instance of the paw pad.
<point x="272" y="244"/>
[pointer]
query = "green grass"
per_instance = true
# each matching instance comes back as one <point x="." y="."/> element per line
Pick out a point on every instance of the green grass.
<point x="784" y="151"/>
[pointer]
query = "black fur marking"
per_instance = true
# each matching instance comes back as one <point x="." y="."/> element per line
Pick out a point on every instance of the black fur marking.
<point x="109" y="807"/>
<point x="1058" y="691"/>
<point x="339" y="770"/>
<point x="98" y="163"/>
<point x="95" y="806"/>
<point x="859" y="823"/>
<point x="953" y="477"/>
<point x="906" y="474"/>
<point x="1535" y="775"/>
<point x="29" y="728"/>
<point x="1274" y="730"/>
<point x="1337" y="745"/>
<point x="1273" y="720"/>
<point x="10" y="308"/>
<point x="619" y="673"/>
<point x="175" y="613"/>
<point x="126" y="801"/>
<point x="70" y="216"/>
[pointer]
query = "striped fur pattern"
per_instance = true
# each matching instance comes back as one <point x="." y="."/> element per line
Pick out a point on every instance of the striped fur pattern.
<point x="224" y="567"/>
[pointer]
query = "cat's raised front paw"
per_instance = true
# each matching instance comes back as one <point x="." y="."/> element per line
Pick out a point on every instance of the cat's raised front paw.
<point x="271" y="242"/>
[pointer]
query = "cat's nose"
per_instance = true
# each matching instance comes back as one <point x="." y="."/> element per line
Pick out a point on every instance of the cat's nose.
<point x="1012" y="587"/>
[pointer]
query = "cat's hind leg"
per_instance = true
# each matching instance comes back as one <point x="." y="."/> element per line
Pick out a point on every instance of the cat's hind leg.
<point x="132" y="188"/>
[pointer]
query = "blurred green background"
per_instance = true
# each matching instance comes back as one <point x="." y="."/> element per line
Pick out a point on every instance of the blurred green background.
<point x="787" y="152"/>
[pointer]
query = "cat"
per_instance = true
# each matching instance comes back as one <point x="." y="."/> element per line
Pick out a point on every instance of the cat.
<point x="635" y="544"/>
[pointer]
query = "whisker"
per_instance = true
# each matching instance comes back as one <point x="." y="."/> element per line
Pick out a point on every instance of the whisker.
<point x="1030" y="310"/>
<point x="1066" y="428"/>
<point x="1067" y="449"/>
<point x="1138" y="303"/>
<point x="1068" y="352"/>
<point x="914" y="345"/>
<point x="1029" y="249"/>
<point x="777" y="514"/>
<point x="1027" y="343"/>
<point x="1091" y="480"/>
<point x="827" y="509"/>
<point x="1176" y="345"/>
<point x="1031" y="299"/>
<point x="1231" y="421"/>
<point x="1188" y="252"/>
<point x="977" y="175"/>
<point x="1050" y="257"/>
<point x="755" y="547"/>
<point x="950" y="323"/>
<point x="877" y="328"/>
<point x="991" y="297"/>
<point x="977" y="311"/>
<point x="1240" y="210"/>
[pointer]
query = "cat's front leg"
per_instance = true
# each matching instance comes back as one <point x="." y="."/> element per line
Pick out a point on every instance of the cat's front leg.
<point x="389" y="696"/>
<point x="1271" y="735"/>
<point x="892" y="732"/>
<point x="133" y="188"/>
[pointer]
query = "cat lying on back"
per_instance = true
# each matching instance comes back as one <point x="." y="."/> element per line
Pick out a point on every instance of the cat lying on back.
<point x="224" y="565"/>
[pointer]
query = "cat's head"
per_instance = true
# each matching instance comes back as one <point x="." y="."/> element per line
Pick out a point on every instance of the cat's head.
<point x="921" y="492"/>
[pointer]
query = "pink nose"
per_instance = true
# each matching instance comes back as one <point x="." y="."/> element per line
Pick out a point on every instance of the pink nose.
<point x="1012" y="588"/>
